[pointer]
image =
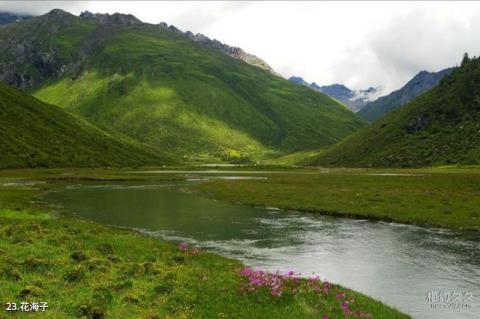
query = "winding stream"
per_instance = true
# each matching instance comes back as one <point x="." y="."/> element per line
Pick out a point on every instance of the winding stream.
<point x="397" y="264"/>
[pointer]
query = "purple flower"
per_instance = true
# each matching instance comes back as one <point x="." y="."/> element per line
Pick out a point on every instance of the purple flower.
<point x="183" y="247"/>
<point x="246" y="272"/>
<point x="345" y="308"/>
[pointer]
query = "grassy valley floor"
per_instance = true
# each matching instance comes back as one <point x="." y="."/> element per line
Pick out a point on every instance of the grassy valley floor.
<point x="448" y="198"/>
<point x="87" y="270"/>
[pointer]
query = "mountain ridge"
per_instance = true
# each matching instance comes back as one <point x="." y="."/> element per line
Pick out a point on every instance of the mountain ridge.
<point x="440" y="127"/>
<point x="420" y="83"/>
<point x="9" y="17"/>
<point x="161" y="88"/>
<point x="235" y="52"/>
<point x="354" y="100"/>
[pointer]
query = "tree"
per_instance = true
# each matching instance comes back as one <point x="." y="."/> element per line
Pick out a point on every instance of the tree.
<point x="465" y="59"/>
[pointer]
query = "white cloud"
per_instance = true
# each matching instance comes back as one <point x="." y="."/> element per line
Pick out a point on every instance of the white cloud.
<point x="39" y="7"/>
<point x="360" y="44"/>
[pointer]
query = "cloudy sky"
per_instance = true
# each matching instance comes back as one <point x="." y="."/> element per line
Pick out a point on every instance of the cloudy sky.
<point x="360" y="44"/>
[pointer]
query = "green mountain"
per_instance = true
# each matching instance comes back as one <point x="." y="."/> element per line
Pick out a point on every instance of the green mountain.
<point x="441" y="126"/>
<point x="158" y="86"/>
<point x="420" y="83"/>
<point x="36" y="134"/>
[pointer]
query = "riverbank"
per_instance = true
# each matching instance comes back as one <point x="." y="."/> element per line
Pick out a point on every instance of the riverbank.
<point x="436" y="197"/>
<point x="447" y="198"/>
<point x="83" y="269"/>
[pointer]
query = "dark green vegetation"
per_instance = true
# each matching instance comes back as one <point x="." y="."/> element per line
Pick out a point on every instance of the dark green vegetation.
<point x="440" y="127"/>
<point x="85" y="270"/>
<point x="441" y="197"/>
<point x="161" y="88"/>
<point x="419" y="84"/>
<point x="35" y="134"/>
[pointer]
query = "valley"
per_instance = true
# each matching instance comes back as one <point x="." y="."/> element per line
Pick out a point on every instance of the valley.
<point x="174" y="204"/>
<point x="150" y="172"/>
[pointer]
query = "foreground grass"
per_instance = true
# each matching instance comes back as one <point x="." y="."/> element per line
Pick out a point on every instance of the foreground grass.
<point x="86" y="270"/>
<point x="447" y="198"/>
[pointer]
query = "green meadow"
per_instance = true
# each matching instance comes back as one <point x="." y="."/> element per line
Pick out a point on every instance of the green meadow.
<point x="448" y="198"/>
<point x="86" y="270"/>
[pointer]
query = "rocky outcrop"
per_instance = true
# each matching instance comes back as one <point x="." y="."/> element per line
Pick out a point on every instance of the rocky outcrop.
<point x="234" y="52"/>
<point x="25" y="52"/>
<point x="9" y="74"/>
<point x="116" y="18"/>
<point x="33" y="59"/>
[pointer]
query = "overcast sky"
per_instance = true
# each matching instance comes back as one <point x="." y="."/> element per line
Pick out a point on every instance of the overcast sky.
<point x="359" y="44"/>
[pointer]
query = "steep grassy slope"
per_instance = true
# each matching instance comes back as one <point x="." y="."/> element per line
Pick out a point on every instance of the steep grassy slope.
<point x="35" y="134"/>
<point x="419" y="84"/>
<point x="160" y="87"/>
<point x="440" y="127"/>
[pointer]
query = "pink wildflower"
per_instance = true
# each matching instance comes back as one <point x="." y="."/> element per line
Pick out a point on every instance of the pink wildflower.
<point x="345" y="308"/>
<point x="183" y="247"/>
<point x="246" y="272"/>
<point x="341" y="295"/>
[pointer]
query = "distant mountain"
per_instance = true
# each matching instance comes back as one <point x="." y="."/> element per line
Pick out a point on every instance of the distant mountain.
<point x="35" y="134"/>
<point x="8" y="17"/>
<point x="441" y="126"/>
<point x="159" y="87"/>
<point x="419" y="84"/>
<point x="355" y="100"/>
<point x="300" y="81"/>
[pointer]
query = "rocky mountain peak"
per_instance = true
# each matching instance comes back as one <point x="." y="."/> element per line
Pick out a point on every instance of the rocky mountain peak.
<point x="353" y="99"/>
<point x="234" y="52"/>
<point x="299" y="80"/>
<point x="116" y="18"/>
<point x="58" y="12"/>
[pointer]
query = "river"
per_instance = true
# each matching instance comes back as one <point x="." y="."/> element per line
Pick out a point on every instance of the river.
<point x="404" y="266"/>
